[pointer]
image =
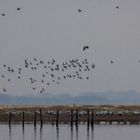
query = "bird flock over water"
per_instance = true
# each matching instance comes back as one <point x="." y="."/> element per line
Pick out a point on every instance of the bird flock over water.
<point x="48" y="73"/>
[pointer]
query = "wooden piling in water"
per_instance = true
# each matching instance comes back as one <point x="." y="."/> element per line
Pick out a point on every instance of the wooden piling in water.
<point x="23" y="117"/>
<point x="41" y="121"/>
<point x="92" y="118"/>
<point x="76" y="122"/>
<point x="88" y="117"/>
<point x="10" y="116"/>
<point x="35" y="118"/>
<point x="57" y="117"/>
<point x="71" y="117"/>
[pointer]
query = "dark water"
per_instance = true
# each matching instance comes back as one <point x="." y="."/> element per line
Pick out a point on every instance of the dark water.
<point x="66" y="132"/>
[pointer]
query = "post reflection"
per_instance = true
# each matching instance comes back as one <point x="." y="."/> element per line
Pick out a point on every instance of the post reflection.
<point x="34" y="132"/>
<point x="87" y="132"/>
<point x="57" y="132"/>
<point x="23" y="132"/>
<point x="76" y="132"/>
<point x="41" y="128"/>
<point x="92" y="132"/>
<point x="9" y="131"/>
<point x="71" y="132"/>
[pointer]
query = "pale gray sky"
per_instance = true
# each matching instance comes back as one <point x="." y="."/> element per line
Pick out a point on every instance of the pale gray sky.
<point x="55" y="29"/>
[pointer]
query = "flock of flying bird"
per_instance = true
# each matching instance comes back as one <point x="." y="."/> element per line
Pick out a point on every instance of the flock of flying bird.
<point x="79" y="10"/>
<point x="51" y="72"/>
<point x="48" y="73"/>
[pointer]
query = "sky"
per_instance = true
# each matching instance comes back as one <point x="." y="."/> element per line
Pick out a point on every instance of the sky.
<point x="46" y="29"/>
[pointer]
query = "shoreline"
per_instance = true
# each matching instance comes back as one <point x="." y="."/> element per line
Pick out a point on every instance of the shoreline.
<point x="73" y="114"/>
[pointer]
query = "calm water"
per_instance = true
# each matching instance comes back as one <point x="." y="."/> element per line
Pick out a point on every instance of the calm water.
<point x="65" y="132"/>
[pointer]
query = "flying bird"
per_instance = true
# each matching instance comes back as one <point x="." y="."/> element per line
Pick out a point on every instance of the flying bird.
<point x="72" y="68"/>
<point x="4" y="90"/>
<point x="18" y="9"/>
<point x="79" y="10"/>
<point x="85" y="48"/>
<point x="3" y="14"/>
<point x="111" y="62"/>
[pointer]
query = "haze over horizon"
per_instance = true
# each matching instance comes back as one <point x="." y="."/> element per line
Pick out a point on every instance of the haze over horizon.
<point x="48" y="29"/>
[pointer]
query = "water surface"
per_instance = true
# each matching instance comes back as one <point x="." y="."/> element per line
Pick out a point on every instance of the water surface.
<point x="66" y="132"/>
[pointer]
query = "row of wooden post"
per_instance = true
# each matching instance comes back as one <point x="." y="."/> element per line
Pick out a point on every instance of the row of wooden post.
<point x="57" y="117"/>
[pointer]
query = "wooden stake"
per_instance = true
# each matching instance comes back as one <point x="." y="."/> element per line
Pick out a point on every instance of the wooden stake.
<point x="88" y="117"/>
<point x="76" y="117"/>
<point x="92" y="119"/>
<point x="57" y="117"/>
<point x="35" y="118"/>
<point x="41" y="121"/>
<point x="23" y="117"/>
<point x="71" y="117"/>
<point x="10" y="116"/>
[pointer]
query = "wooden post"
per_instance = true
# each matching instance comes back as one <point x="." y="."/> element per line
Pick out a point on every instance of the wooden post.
<point x="71" y="117"/>
<point x="23" y="117"/>
<point x="41" y="121"/>
<point x="57" y="117"/>
<point x="76" y="117"/>
<point x="35" y="119"/>
<point x="10" y="116"/>
<point x="92" y="119"/>
<point x="88" y="117"/>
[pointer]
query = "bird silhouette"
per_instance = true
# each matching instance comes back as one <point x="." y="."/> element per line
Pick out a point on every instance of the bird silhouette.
<point x="79" y="10"/>
<point x="19" y="77"/>
<point x="4" y="89"/>
<point x="4" y="65"/>
<point x="85" y="48"/>
<point x="3" y="14"/>
<point x="111" y="62"/>
<point x="18" y="8"/>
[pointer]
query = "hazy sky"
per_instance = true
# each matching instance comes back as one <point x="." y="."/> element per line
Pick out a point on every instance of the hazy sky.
<point x="48" y="29"/>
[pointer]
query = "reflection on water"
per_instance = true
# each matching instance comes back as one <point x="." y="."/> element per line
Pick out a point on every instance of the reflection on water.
<point x="57" y="132"/>
<point x="34" y="132"/>
<point x="87" y="132"/>
<point x="23" y="132"/>
<point x="92" y="132"/>
<point x="41" y="127"/>
<point x="9" y="132"/>
<point x="80" y="132"/>
<point x="71" y="132"/>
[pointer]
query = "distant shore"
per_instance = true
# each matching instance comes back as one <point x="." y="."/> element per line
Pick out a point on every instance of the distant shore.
<point x="126" y="114"/>
<point x="70" y="106"/>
